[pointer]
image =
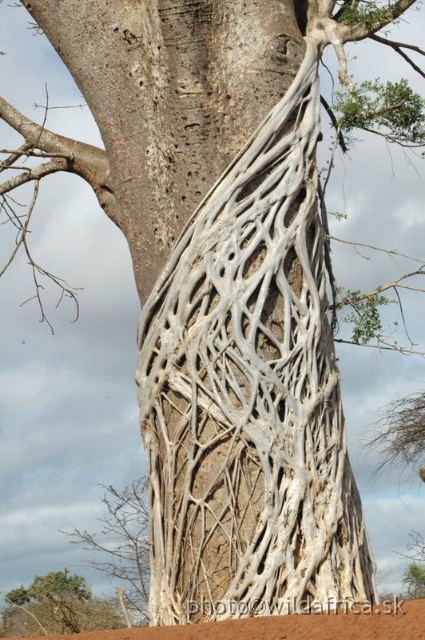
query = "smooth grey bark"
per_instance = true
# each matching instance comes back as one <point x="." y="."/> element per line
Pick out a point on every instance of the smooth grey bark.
<point x="176" y="88"/>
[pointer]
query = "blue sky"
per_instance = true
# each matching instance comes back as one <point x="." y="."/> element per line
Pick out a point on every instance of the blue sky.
<point x="68" y="412"/>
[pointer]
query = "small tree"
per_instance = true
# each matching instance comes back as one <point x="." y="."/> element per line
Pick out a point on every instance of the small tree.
<point x="122" y="544"/>
<point x="414" y="577"/>
<point x="58" y="603"/>
<point x="19" y="596"/>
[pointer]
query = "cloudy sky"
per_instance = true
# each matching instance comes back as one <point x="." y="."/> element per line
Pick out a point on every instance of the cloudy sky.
<point x="68" y="413"/>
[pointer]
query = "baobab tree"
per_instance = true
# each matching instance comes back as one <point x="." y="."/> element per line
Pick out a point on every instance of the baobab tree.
<point x="209" y="113"/>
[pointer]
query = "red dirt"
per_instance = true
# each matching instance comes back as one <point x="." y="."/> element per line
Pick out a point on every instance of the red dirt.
<point x="344" y="626"/>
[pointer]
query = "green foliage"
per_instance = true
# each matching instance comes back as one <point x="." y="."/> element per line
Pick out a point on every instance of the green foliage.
<point x="339" y="215"/>
<point x="59" y="603"/>
<point x="365" y="317"/>
<point x="391" y="109"/>
<point x="58" y="585"/>
<point x="18" y="596"/>
<point x="414" y="577"/>
<point x="366" y="14"/>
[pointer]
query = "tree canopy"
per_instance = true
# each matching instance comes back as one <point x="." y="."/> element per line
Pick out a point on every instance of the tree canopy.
<point x="55" y="586"/>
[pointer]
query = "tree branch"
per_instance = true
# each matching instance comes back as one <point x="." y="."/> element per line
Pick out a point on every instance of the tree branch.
<point x="87" y="161"/>
<point x="35" y="173"/>
<point x="398" y="46"/>
<point x="23" y="231"/>
<point x="383" y="345"/>
<point x="356" y="299"/>
<point x="326" y="7"/>
<point x="334" y="122"/>
<point x="361" y="31"/>
<point x="390" y="252"/>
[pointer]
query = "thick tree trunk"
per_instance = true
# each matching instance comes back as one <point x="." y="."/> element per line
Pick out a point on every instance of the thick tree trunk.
<point x="176" y="88"/>
<point x="252" y="496"/>
<point x="251" y="492"/>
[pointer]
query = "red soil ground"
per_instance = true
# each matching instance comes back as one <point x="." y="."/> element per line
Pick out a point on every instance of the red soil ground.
<point x="344" y="626"/>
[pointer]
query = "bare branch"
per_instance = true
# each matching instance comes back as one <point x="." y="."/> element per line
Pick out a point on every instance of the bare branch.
<point x="401" y="431"/>
<point x="393" y="139"/>
<point x="334" y="121"/>
<point x="390" y="252"/>
<point x="356" y="300"/>
<point x="19" y="606"/>
<point x="81" y="105"/>
<point x="15" y="155"/>
<point x="122" y="541"/>
<point x="37" y="270"/>
<point x="406" y="331"/>
<point x="398" y="47"/>
<point x="35" y="173"/>
<point x="417" y="545"/>
<point x="383" y="345"/>
<point x="85" y="160"/>
<point x="397" y="284"/>
<point x="63" y="154"/>
<point x="24" y="230"/>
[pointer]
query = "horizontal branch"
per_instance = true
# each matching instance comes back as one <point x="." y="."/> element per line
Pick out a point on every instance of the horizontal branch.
<point x="35" y="173"/>
<point x="390" y="252"/>
<point x="398" y="48"/>
<point x="394" y="139"/>
<point x="384" y="346"/>
<point x="85" y="160"/>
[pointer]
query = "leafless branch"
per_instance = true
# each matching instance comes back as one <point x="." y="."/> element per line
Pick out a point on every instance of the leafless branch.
<point x="396" y="285"/>
<point x="400" y="305"/>
<point x="68" y="106"/>
<point x="23" y="230"/>
<point x="401" y="431"/>
<point x="19" y="606"/>
<point x="85" y="160"/>
<point x="394" y="139"/>
<point x="390" y="252"/>
<point x="62" y="154"/>
<point x="33" y="174"/>
<point x="416" y="547"/>
<point x="122" y="541"/>
<point x="334" y="121"/>
<point x="398" y="48"/>
<point x="37" y="271"/>
<point x="384" y="345"/>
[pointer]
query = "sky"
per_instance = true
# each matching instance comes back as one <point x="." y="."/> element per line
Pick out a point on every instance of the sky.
<point x="68" y="411"/>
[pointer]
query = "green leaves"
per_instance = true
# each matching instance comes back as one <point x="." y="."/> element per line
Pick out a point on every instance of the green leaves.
<point x="365" y="317"/>
<point x="391" y="109"/>
<point x="59" y="584"/>
<point x="55" y="585"/>
<point x="356" y="13"/>
<point x="18" y="596"/>
<point x="58" y="603"/>
<point x="414" y="577"/>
